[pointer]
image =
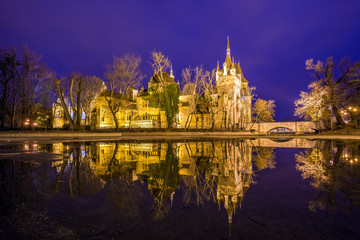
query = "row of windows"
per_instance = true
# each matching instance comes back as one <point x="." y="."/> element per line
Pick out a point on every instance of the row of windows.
<point x="143" y="153"/>
<point x="130" y="117"/>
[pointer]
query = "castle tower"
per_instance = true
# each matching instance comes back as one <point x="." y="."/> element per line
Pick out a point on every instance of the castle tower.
<point x="232" y="89"/>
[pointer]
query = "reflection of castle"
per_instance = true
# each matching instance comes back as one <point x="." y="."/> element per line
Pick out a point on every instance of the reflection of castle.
<point x="229" y="162"/>
<point x="227" y="165"/>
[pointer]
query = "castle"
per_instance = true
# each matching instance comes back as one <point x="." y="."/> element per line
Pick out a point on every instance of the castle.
<point x="228" y="105"/>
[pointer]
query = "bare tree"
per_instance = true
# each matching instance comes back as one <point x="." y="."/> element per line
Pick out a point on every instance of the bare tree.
<point x="123" y="73"/>
<point x="210" y="95"/>
<point x="92" y="87"/>
<point x="160" y="64"/>
<point x="335" y="85"/>
<point x="28" y="69"/>
<point x="8" y="64"/>
<point x="167" y="93"/>
<point x="193" y="80"/>
<point x="263" y="110"/>
<point x="313" y="105"/>
<point x="24" y="82"/>
<point x="75" y="82"/>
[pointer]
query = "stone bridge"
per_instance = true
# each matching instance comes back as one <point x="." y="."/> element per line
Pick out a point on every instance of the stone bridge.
<point x="283" y="127"/>
<point x="288" y="143"/>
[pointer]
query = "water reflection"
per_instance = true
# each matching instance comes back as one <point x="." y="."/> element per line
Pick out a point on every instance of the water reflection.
<point x="219" y="171"/>
<point x="334" y="170"/>
<point x="197" y="172"/>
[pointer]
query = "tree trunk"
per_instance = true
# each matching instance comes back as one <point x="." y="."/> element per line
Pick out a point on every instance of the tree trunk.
<point x="339" y="120"/>
<point x="188" y="121"/>
<point x="63" y="104"/>
<point x="3" y="103"/>
<point x="113" y="112"/>
<point x="331" y="88"/>
<point x="212" y="121"/>
<point x="78" y="122"/>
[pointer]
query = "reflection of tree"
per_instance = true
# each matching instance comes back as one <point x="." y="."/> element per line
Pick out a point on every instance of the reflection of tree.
<point x="122" y="193"/>
<point x="77" y="172"/>
<point x="124" y="196"/>
<point x="331" y="172"/>
<point x="164" y="178"/>
<point x="201" y="184"/>
<point x="264" y="157"/>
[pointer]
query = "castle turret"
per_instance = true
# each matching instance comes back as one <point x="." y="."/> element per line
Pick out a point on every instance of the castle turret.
<point x="233" y="69"/>
<point x="218" y="71"/>
<point x="172" y="73"/>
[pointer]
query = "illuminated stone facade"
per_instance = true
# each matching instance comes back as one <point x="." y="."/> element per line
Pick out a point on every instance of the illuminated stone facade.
<point x="231" y="99"/>
<point x="58" y="115"/>
<point x="233" y="93"/>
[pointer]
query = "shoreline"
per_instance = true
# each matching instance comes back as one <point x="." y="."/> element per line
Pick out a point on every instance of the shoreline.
<point x="152" y="135"/>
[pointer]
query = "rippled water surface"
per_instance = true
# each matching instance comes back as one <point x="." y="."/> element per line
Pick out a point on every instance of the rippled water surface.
<point x="248" y="189"/>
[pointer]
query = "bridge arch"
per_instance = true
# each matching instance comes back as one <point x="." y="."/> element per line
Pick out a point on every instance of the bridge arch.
<point x="281" y="131"/>
<point x="298" y="127"/>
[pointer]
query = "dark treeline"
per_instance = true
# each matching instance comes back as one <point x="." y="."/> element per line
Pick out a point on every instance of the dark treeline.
<point x="26" y="88"/>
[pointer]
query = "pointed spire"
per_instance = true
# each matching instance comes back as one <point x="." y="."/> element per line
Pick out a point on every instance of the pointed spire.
<point x="234" y="207"/>
<point x="230" y="222"/>
<point x="228" y="49"/>
<point x="218" y="67"/>
<point x="238" y="67"/>
<point x="230" y="214"/>
<point x="171" y="72"/>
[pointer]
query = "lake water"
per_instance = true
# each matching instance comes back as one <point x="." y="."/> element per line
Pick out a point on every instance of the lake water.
<point x="236" y="189"/>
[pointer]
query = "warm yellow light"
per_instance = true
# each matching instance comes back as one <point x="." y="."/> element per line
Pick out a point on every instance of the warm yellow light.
<point x="351" y="161"/>
<point x="346" y="155"/>
<point x="349" y="107"/>
<point x="354" y="109"/>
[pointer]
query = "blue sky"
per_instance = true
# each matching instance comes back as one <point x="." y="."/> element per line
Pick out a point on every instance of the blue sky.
<point x="271" y="39"/>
